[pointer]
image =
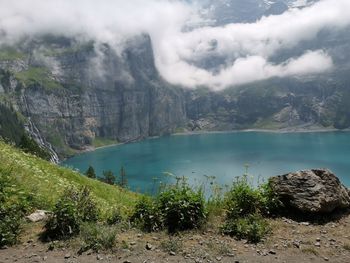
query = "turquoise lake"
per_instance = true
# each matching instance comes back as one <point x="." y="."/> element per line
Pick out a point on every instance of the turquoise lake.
<point x="222" y="155"/>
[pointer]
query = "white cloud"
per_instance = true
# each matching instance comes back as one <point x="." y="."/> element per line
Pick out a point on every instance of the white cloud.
<point x="247" y="47"/>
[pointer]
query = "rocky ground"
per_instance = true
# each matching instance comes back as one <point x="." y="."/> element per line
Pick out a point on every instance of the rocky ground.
<point x="290" y="241"/>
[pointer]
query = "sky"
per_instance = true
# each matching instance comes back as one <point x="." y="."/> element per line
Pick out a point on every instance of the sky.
<point x="178" y="45"/>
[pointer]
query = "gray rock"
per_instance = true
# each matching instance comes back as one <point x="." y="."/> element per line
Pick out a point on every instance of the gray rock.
<point x="311" y="191"/>
<point x="38" y="215"/>
<point x="149" y="246"/>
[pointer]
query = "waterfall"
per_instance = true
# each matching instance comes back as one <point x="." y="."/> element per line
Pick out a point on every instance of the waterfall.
<point x="34" y="132"/>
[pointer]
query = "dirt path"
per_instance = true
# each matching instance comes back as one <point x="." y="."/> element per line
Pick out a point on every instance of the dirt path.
<point x="290" y="242"/>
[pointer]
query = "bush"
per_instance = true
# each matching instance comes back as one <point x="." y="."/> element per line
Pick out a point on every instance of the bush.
<point x="71" y="210"/>
<point x="147" y="215"/>
<point x="252" y="227"/>
<point x="271" y="205"/>
<point x="90" y="172"/>
<point x="182" y="208"/>
<point x="108" y="177"/>
<point x="242" y="199"/>
<point x="245" y="206"/>
<point x="177" y="208"/>
<point x="115" y="217"/>
<point x="28" y="145"/>
<point x="97" y="237"/>
<point x="13" y="206"/>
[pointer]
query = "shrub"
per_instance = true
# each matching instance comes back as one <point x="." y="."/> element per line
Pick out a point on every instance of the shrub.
<point x="115" y="217"/>
<point x="271" y="205"/>
<point x="13" y="206"/>
<point x="10" y="225"/>
<point x="71" y="210"/>
<point x="97" y="237"/>
<point x="245" y="206"/>
<point x="242" y="199"/>
<point x="182" y="208"/>
<point x="90" y="172"/>
<point x="172" y="245"/>
<point x="28" y="145"/>
<point x="108" y="177"/>
<point x="147" y="215"/>
<point x="252" y="227"/>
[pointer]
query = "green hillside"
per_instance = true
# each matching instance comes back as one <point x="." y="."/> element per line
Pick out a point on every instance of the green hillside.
<point x="45" y="182"/>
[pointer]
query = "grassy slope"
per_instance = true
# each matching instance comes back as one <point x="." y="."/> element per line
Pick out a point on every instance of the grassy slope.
<point x="47" y="181"/>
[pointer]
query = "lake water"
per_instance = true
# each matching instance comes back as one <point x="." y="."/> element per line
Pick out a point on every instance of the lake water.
<point x="222" y="155"/>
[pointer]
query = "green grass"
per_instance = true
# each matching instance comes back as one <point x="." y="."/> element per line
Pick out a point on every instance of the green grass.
<point x="100" y="142"/>
<point x="38" y="75"/>
<point x="10" y="54"/>
<point x="47" y="181"/>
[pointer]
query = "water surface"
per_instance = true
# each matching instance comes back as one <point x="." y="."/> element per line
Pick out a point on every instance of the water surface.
<point x="222" y="155"/>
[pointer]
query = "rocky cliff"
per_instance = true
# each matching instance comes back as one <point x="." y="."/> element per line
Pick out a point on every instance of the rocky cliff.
<point x="71" y="93"/>
<point x="75" y="92"/>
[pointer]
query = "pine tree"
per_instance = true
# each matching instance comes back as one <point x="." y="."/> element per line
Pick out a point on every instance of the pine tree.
<point x="108" y="177"/>
<point x="123" y="179"/>
<point x="90" y="172"/>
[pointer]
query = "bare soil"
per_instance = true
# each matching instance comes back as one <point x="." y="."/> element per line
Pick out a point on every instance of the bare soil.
<point x="289" y="242"/>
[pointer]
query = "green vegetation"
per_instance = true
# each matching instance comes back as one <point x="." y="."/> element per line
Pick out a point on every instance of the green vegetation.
<point x="92" y="211"/>
<point x="101" y="142"/>
<point x="11" y="126"/>
<point x="182" y="208"/>
<point x="97" y="237"/>
<point x="123" y="180"/>
<point x="90" y="172"/>
<point x="108" y="177"/>
<point x="38" y="76"/>
<point x="176" y="208"/>
<point x="12" y="131"/>
<point x="28" y="145"/>
<point x="245" y="207"/>
<point x="46" y="181"/>
<point x="11" y="54"/>
<point x="70" y="212"/>
<point x="13" y="205"/>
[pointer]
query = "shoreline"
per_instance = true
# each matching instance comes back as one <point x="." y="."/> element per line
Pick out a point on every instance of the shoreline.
<point x="306" y="129"/>
<point x="283" y="130"/>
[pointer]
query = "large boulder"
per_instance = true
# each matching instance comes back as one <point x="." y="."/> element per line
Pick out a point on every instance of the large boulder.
<point x="311" y="191"/>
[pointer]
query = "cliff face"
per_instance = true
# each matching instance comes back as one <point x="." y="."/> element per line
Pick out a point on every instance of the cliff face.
<point x="74" y="94"/>
<point x="70" y="94"/>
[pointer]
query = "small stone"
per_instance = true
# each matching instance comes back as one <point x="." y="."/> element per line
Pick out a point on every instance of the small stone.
<point x="218" y="258"/>
<point x="318" y="239"/>
<point x="272" y="252"/>
<point x="139" y="235"/>
<point x="67" y="255"/>
<point x="132" y="243"/>
<point x="126" y="261"/>
<point x="326" y="259"/>
<point x="149" y="246"/>
<point x="172" y="253"/>
<point x="99" y="257"/>
<point x="317" y="244"/>
<point x="230" y="255"/>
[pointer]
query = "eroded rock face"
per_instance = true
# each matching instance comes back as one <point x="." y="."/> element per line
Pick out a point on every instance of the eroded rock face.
<point x="311" y="191"/>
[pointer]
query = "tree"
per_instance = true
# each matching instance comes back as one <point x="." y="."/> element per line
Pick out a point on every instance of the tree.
<point x="90" y="172"/>
<point x="108" y="177"/>
<point x="123" y="180"/>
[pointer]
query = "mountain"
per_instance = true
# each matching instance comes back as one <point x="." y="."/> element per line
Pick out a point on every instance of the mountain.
<point x="223" y="12"/>
<point x="70" y="95"/>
